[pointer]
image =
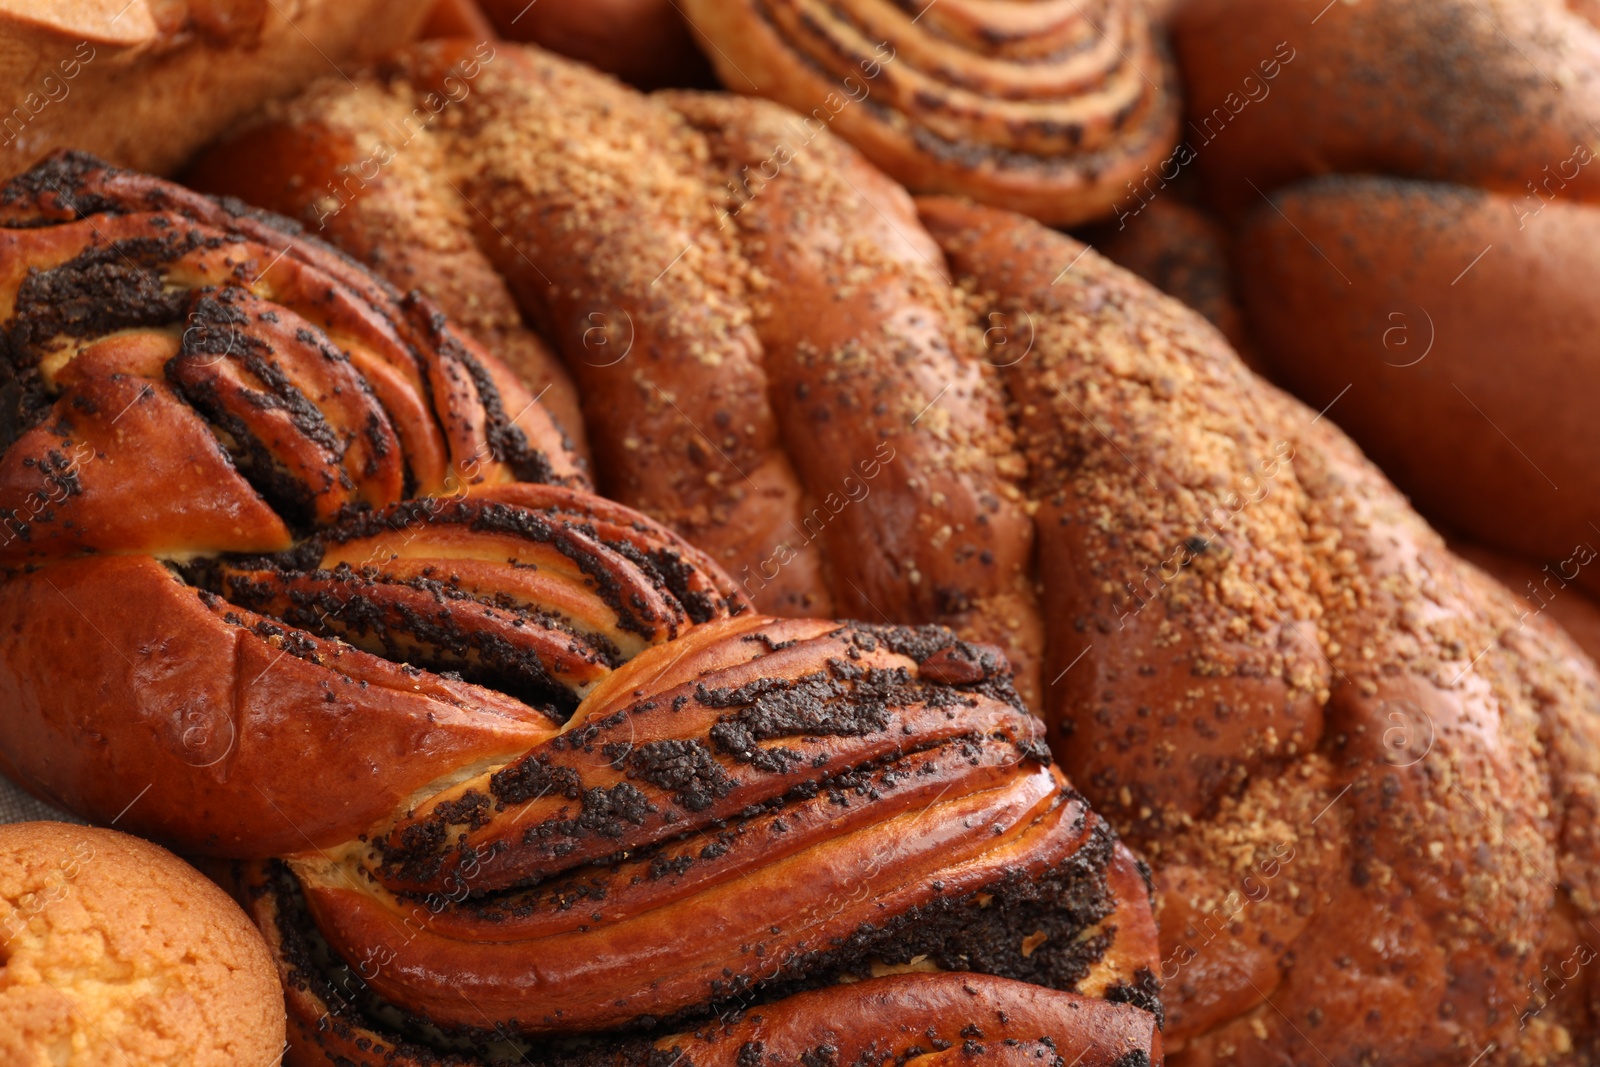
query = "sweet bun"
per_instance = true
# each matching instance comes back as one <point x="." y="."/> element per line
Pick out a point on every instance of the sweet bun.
<point x="1451" y="330"/>
<point x="114" y="951"/>
<point x="1053" y="109"/>
<point x="144" y="83"/>
<point x="1479" y="92"/>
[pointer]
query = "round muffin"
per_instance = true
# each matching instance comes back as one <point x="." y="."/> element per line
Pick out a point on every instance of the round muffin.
<point x="113" y="950"/>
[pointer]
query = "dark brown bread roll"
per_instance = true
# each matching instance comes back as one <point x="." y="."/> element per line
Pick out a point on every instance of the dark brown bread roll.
<point x="644" y="42"/>
<point x="1480" y="92"/>
<point x="1451" y="332"/>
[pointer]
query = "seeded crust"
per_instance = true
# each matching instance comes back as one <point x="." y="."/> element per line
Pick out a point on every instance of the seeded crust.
<point x="115" y="951"/>
<point x="780" y="441"/>
<point x="553" y="744"/>
<point x="1366" y="785"/>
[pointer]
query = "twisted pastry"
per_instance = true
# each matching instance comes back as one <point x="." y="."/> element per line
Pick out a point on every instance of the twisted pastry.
<point x="1314" y="720"/>
<point x="316" y="585"/>
<point x="783" y="442"/>
<point x="1049" y="108"/>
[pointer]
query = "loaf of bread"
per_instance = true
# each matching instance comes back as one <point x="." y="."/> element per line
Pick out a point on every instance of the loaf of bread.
<point x="317" y="586"/>
<point x="1483" y="93"/>
<point x="1314" y="717"/>
<point x="1451" y="331"/>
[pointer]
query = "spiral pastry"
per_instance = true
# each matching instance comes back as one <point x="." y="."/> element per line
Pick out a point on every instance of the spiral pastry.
<point x="300" y="577"/>
<point x="1054" y="108"/>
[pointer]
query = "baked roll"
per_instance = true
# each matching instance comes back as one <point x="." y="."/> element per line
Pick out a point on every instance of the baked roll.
<point x="300" y="576"/>
<point x="145" y="83"/>
<point x="117" y="951"/>
<point x="1452" y="335"/>
<point x="1364" y="776"/>
<point x="1055" y="109"/>
<point x="1489" y="93"/>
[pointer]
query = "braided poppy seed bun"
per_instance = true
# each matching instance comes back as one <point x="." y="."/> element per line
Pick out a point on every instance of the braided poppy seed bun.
<point x="186" y="379"/>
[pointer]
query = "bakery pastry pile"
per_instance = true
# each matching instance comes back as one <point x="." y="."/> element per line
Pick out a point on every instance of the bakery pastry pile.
<point x="509" y="771"/>
<point x="536" y="768"/>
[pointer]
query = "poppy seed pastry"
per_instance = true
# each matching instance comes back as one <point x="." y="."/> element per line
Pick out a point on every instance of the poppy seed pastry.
<point x="783" y="443"/>
<point x="507" y="770"/>
<point x="1054" y="109"/>
<point x="113" y="950"/>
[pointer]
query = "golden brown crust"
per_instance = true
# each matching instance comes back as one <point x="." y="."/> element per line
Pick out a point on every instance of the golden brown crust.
<point x="566" y="783"/>
<point x="896" y="426"/>
<point x="696" y="376"/>
<point x="1050" y="109"/>
<point x="115" y="951"/>
<point x="1481" y="92"/>
<point x="1429" y="288"/>
<point x="1384" y="707"/>
<point x="199" y="66"/>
